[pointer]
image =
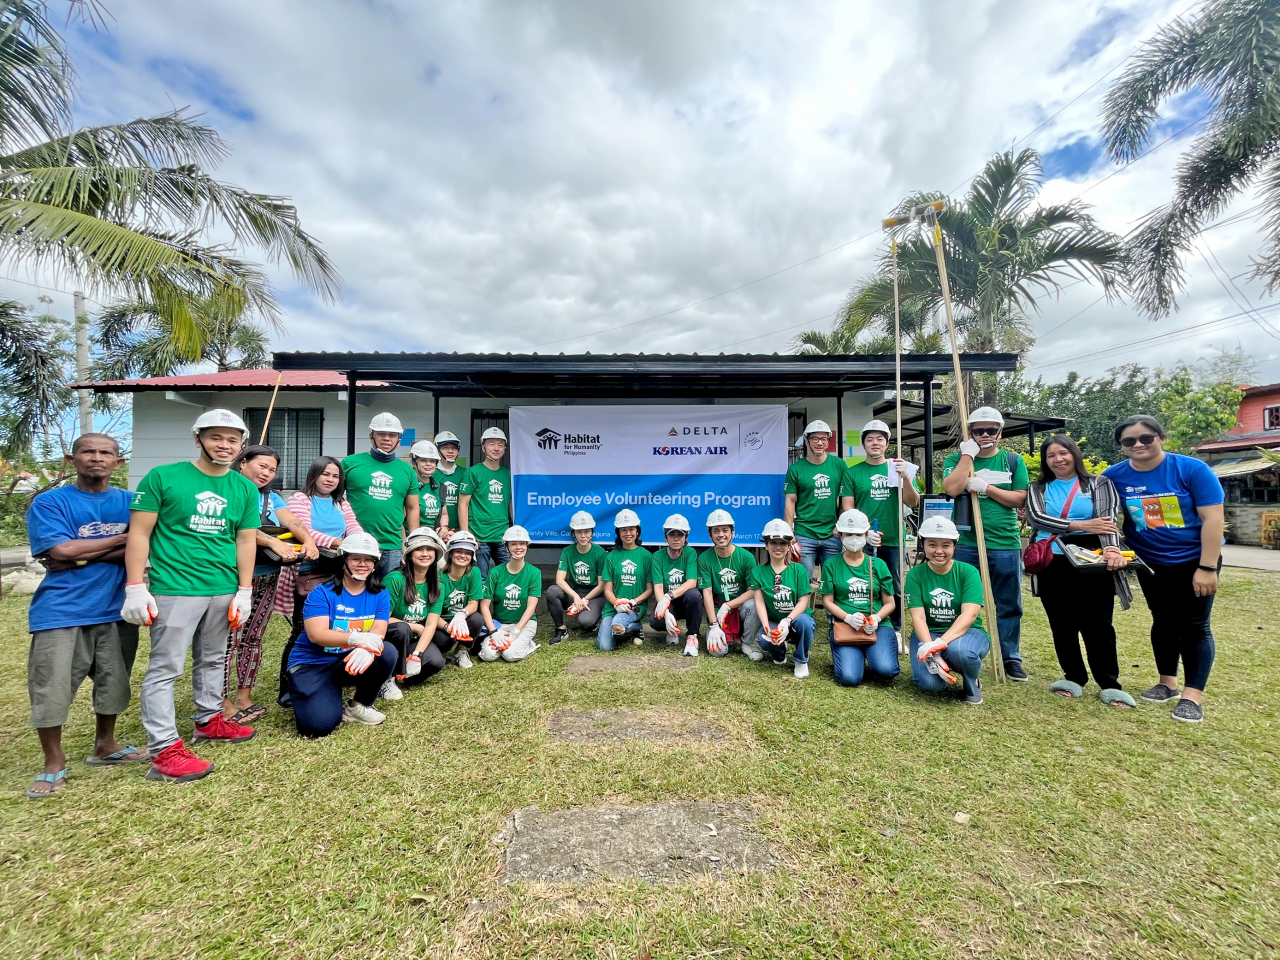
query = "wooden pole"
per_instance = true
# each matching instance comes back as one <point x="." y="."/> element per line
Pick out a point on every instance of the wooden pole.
<point x="962" y="408"/>
<point x="897" y="426"/>
<point x="267" y="422"/>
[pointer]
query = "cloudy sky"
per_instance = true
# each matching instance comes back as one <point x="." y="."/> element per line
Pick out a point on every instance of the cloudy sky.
<point x="570" y="175"/>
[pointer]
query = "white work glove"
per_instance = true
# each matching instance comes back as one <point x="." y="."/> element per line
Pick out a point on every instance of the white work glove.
<point x="871" y="624"/>
<point x="874" y="538"/>
<point x="779" y="633"/>
<point x="673" y="627"/>
<point x="412" y="665"/>
<point x="722" y="613"/>
<point x="623" y="606"/>
<point x="576" y="607"/>
<point x="369" y="641"/>
<point x="458" y="628"/>
<point x="358" y="660"/>
<point x="977" y="485"/>
<point x="907" y="469"/>
<point x="855" y="620"/>
<point x="969" y="448"/>
<point x="660" y="609"/>
<point x="716" y="642"/>
<point x="926" y="650"/>
<point x="502" y="641"/>
<point x="241" y="603"/>
<point x="139" y="605"/>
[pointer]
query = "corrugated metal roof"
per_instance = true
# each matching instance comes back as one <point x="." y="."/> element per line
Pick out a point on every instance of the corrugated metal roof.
<point x="1243" y="468"/>
<point x="261" y="379"/>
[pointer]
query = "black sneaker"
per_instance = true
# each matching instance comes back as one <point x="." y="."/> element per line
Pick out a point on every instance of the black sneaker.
<point x="560" y="634"/>
<point x="780" y="661"/>
<point x="1013" y="671"/>
<point x="974" y="698"/>
<point x="1188" y="711"/>
<point x="1159" y="693"/>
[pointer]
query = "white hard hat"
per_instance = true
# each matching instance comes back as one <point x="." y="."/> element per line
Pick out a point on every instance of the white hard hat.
<point x="516" y="534"/>
<point x="626" y="518"/>
<point x="876" y="426"/>
<point x="582" y="521"/>
<point x="423" y="537"/>
<point x="817" y="426"/>
<point x="218" y="418"/>
<point x="462" y="540"/>
<point x="493" y="433"/>
<point x="719" y="518"/>
<point x="675" y="522"/>
<point x="939" y="528"/>
<point x="424" y="450"/>
<point x="444" y="436"/>
<point x="362" y="544"/>
<point x="385" y="423"/>
<point x="986" y="415"/>
<point x="853" y="521"/>
<point x="777" y="530"/>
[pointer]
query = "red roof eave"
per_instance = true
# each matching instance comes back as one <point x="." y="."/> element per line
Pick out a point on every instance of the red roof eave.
<point x="263" y="379"/>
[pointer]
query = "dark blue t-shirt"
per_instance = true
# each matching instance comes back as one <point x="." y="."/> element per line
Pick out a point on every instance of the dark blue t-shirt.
<point x="86" y="595"/>
<point x="1161" y="522"/>
<point x="344" y="611"/>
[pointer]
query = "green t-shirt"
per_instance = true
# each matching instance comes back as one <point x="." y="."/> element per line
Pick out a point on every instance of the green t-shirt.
<point x="429" y="505"/>
<point x="847" y="585"/>
<point x="817" y="490"/>
<point x="726" y="577"/>
<point x="510" y="592"/>
<point x="672" y="573"/>
<point x="456" y="594"/>
<point x="582" y="570"/>
<point x="376" y="492"/>
<point x="999" y="523"/>
<point x="780" y="591"/>
<point x="875" y="496"/>
<point x="193" y="545"/>
<point x="489" y="513"/>
<point x="415" y="612"/>
<point x="941" y="596"/>
<point x="449" y="484"/>
<point x="628" y="571"/>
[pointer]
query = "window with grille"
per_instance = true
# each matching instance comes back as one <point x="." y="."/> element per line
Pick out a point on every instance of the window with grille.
<point x="482" y="420"/>
<point x="296" y="433"/>
<point x="1271" y="418"/>
<point x="795" y="426"/>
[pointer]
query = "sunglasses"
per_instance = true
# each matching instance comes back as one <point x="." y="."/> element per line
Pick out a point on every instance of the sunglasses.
<point x="782" y="540"/>
<point x="985" y="431"/>
<point x="1146" y="439"/>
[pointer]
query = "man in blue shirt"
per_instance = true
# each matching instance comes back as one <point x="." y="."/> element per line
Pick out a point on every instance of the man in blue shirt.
<point x="78" y="533"/>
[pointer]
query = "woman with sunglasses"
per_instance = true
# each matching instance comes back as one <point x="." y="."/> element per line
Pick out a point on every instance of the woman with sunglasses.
<point x="1174" y="522"/>
<point x="1069" y="505"/>
<point x="780" y="591"/>
<point x="416" y="602"/>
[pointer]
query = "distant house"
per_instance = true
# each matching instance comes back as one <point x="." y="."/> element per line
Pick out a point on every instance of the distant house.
<point x="1251" y="482"/>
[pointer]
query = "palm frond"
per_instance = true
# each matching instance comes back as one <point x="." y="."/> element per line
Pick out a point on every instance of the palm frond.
<point x="32" y="381"/>
<point x="35" y="73"/>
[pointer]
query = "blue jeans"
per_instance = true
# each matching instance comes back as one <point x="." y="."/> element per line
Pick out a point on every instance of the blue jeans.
<point x="963" y="655"/>
<point x="389" y="562"/>
<point x="489" y="555"/>
<point x="1006" y="588"/>
<point x="605" y="638"/>
<point x="890" y="557"/>
<point x="317" y="690"/>
<point x="817" y="552"/>
<point x="850" y="662"/>
<point x="801" y="632"/>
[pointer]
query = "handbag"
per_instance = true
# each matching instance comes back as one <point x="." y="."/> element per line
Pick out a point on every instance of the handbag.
<point x="845" y="636"/>
<point x="1039" y="553"/>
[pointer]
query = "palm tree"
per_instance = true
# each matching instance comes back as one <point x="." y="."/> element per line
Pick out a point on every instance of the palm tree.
<point x="136" y="340"/>
<point x="33" y="385"/>
<point x="857" y="331"/>
<point x="1230" y="52"/>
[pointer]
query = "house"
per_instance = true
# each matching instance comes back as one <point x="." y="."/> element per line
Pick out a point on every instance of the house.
<point x="1249" y="480"/>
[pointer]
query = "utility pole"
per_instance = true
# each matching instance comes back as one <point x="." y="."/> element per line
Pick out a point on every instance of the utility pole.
<point x="82" y="363"/>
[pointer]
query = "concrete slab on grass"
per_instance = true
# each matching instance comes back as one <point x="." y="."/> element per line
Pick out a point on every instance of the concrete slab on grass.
<point x="620" y="663"/>
<point x="599" y="726"/>
<point x="663" y="841"/>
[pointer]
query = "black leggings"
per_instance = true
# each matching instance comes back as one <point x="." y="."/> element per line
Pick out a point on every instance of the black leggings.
<point x="475" y="623"/>
<point x="401" y="636"/>
<point x="687" y="607"/>
<point x="1079" y="605"/>
<point x="558" y="602"/>
<point x="1179" y="622"/>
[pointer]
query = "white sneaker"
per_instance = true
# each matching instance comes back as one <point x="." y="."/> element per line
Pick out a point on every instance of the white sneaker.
<point x="673" y="638"/>
<point x="638" y="639"/>
<point x="464" y="660"/>
<point x="390" y="691"/>
<point x="802" y="670"/>
<point x="691" y="646"/>
<point x="754" y="653"/>
<point x="359" y="713"/>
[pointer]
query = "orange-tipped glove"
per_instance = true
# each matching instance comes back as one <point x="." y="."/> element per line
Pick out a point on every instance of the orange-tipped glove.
<point x="370" y="641"/>
<point x="502" y="640"/>
<point x="358" y="660"/>
<point x="939" y="666"/>
<point x="139" y="605"/>
<point x="672" y="625"/>
<point x="458" y="628"/>
<point x="576" y="608"/>
<point x="722" y="613"/>
<point x="660" y="609"/>
<point x="779" y="633"/>
<point x="871" y="624"/>
<point x="241" y="603"/>
<point x="412" y="665"/>
<point x="716" y="641"/>
<point x="926" y="650"/>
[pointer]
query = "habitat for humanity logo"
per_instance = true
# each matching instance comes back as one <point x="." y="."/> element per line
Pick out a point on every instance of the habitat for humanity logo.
<point x="548" y="439"/>
<point x="574" y="444"/>
<point x="208" y="517"/>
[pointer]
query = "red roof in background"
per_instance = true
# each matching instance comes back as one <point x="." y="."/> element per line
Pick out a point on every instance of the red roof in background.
<point x="264" y="379"/>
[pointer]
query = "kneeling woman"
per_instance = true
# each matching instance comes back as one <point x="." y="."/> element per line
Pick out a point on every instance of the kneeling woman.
<point x="626" y="578"/>
<point x="853" y="586"/>
<point x="511" y="594"/>
<point x="461" y="590"/>
<point x="780" y="590"/>
<point x="341" y="644"/>
<point x="944" y="598"/>
<point x="415" y="595"/>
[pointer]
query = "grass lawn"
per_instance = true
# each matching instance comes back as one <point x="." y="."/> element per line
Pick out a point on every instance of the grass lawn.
<point x="1094" y="832"/>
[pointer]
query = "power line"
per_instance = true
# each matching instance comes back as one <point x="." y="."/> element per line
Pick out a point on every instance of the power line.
<point x="802" y="323"/>
<point x="45" y="286"/>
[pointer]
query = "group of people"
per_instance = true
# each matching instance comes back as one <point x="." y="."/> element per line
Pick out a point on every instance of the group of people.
<point x="389" y="570"/>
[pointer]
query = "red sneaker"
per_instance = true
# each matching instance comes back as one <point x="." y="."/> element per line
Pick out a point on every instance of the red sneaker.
<point x="220" y="728"/>
<point x="177" y="764"/>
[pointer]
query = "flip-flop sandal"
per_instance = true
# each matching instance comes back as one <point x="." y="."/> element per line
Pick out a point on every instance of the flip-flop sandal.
<point x="1066" y="688"/>
<point x="117" y="759"/>
<point x="1117" y="698"/>
<point x="249" y="714"/>
<point x="53" y="778"/>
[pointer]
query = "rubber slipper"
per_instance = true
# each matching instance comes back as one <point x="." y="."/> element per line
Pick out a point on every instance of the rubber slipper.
<point x="1117" y="698"/>
<point x="53" y="778"/>
<point x="248" y="714"/>
<point x="1067" y="688"/>
<point x="117" y="759"/>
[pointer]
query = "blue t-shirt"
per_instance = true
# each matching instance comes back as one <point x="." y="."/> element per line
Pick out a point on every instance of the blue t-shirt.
<point x="327" y="518"/>
<point x="86" y="595"/>
<point x="344" y="611"/>
<point x="1055" y="498"/>
<point x="1161" y="522"/>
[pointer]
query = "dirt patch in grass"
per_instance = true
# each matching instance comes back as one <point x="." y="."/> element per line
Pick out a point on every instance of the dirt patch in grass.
<point x="621" y="723"/>
<point x="587" y="665"/>
<point x="663" y="841"/>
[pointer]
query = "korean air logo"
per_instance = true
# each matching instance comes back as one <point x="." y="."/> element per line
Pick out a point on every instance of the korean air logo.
<point x="380" y="479"/>
<point x="548" y="439"/>
<point x="209" y="504"/>
<point x="512" y="591"/>
<point x="629" y="567"/>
